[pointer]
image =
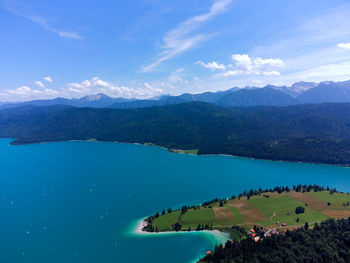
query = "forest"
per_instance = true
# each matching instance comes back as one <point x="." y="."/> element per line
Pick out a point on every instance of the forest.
<point x="328" y="241"/>
<point x="316" y="133"/>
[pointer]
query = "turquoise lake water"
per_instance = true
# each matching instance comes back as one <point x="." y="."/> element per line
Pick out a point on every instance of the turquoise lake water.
<point x="79" y="201"/>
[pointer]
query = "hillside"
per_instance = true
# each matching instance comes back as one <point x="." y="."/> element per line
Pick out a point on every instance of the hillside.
<point x="280" y="208"/>
<point x="252" y="97"/>
<point x="309" y="133"/>
<point x="166" y="100"/>
<point x="327" y="91"/>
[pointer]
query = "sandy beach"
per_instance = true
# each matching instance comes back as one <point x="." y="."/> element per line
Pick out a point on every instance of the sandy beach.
<point x="219" y="236"/>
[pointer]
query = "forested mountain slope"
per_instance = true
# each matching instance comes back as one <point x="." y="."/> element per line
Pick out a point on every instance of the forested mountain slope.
<point x="310" y="133"/>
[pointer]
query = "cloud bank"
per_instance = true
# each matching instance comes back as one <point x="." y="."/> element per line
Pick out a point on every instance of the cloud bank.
<point x="91" y="86"/>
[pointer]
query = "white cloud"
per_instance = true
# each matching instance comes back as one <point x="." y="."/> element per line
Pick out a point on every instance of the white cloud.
<point x="231" y="73"/>
<point x="24" y="90"/>
<point x="26" y="93"/>
<point x="245" y="65"/>
<point x="177" y="82"/>
<point x="50" y="92"/>
<point x="91" y="86"/>
<point x="23" y="9"/>
<point x="48" y="79"/>
<point x="212" y="65"/>
<point x="177" y="40"/>
<point x="273" y="62"/>
<point x="271" y="73"/>
<point x="344" y="45"/>
<point x="257" y="65"/>
<point x="39" y="83"/>
<point x="96" y="85"/>
<point x="242" y="61"/>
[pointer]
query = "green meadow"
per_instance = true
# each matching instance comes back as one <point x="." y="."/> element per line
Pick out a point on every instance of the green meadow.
<point x="269" y="210"/>
<point x="282" y="209"/>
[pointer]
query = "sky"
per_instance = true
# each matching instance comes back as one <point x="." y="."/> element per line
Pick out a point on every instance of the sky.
<point x="145" y="48"/>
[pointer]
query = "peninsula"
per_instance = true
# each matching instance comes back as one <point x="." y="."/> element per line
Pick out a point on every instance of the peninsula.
<point x="262" y="224"/>
<point x="272" y="210"/>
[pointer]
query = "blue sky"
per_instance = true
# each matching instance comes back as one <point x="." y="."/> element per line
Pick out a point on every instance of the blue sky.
<point x="144" y="48"/>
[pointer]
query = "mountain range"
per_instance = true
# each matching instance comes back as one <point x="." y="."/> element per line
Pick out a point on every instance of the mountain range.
<point x="91" y="101"/>
<point x="270" y="95"/>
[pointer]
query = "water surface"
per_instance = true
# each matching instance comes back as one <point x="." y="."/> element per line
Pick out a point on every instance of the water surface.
<point x="78" y="201"/>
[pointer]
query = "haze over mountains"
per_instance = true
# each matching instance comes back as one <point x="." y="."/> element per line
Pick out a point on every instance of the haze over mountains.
<point x="270" y="95"/>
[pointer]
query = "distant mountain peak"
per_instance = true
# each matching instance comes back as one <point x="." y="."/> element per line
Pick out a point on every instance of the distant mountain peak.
<point x="95" y="97"/>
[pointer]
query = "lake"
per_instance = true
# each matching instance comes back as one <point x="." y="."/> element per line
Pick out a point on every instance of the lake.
<point x="80" y="201"/>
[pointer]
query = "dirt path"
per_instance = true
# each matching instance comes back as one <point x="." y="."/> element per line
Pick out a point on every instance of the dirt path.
<point x="273" y="215"/>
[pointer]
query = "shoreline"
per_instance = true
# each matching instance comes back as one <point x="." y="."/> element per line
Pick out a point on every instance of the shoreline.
<point x="191" y="154"/>
<point x="216" y="236"/>
<point x="219" y="236"/>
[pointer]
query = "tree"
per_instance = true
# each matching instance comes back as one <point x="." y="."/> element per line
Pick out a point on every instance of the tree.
<point x="177" y="226"/>
<point x="299" y="210"/>
<point x="184" y="209"/>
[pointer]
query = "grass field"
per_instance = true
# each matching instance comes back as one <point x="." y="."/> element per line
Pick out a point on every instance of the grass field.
<point x="164" y="222"/>
<point x="336" y="200"/>
<point x="282" y="209"/>
<point x="263" y="211"/>
<point x="193" y="151"/>
<point x="201" y="216"/>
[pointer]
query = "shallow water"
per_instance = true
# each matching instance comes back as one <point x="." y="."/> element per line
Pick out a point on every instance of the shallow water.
<point x="80" y="201"/>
